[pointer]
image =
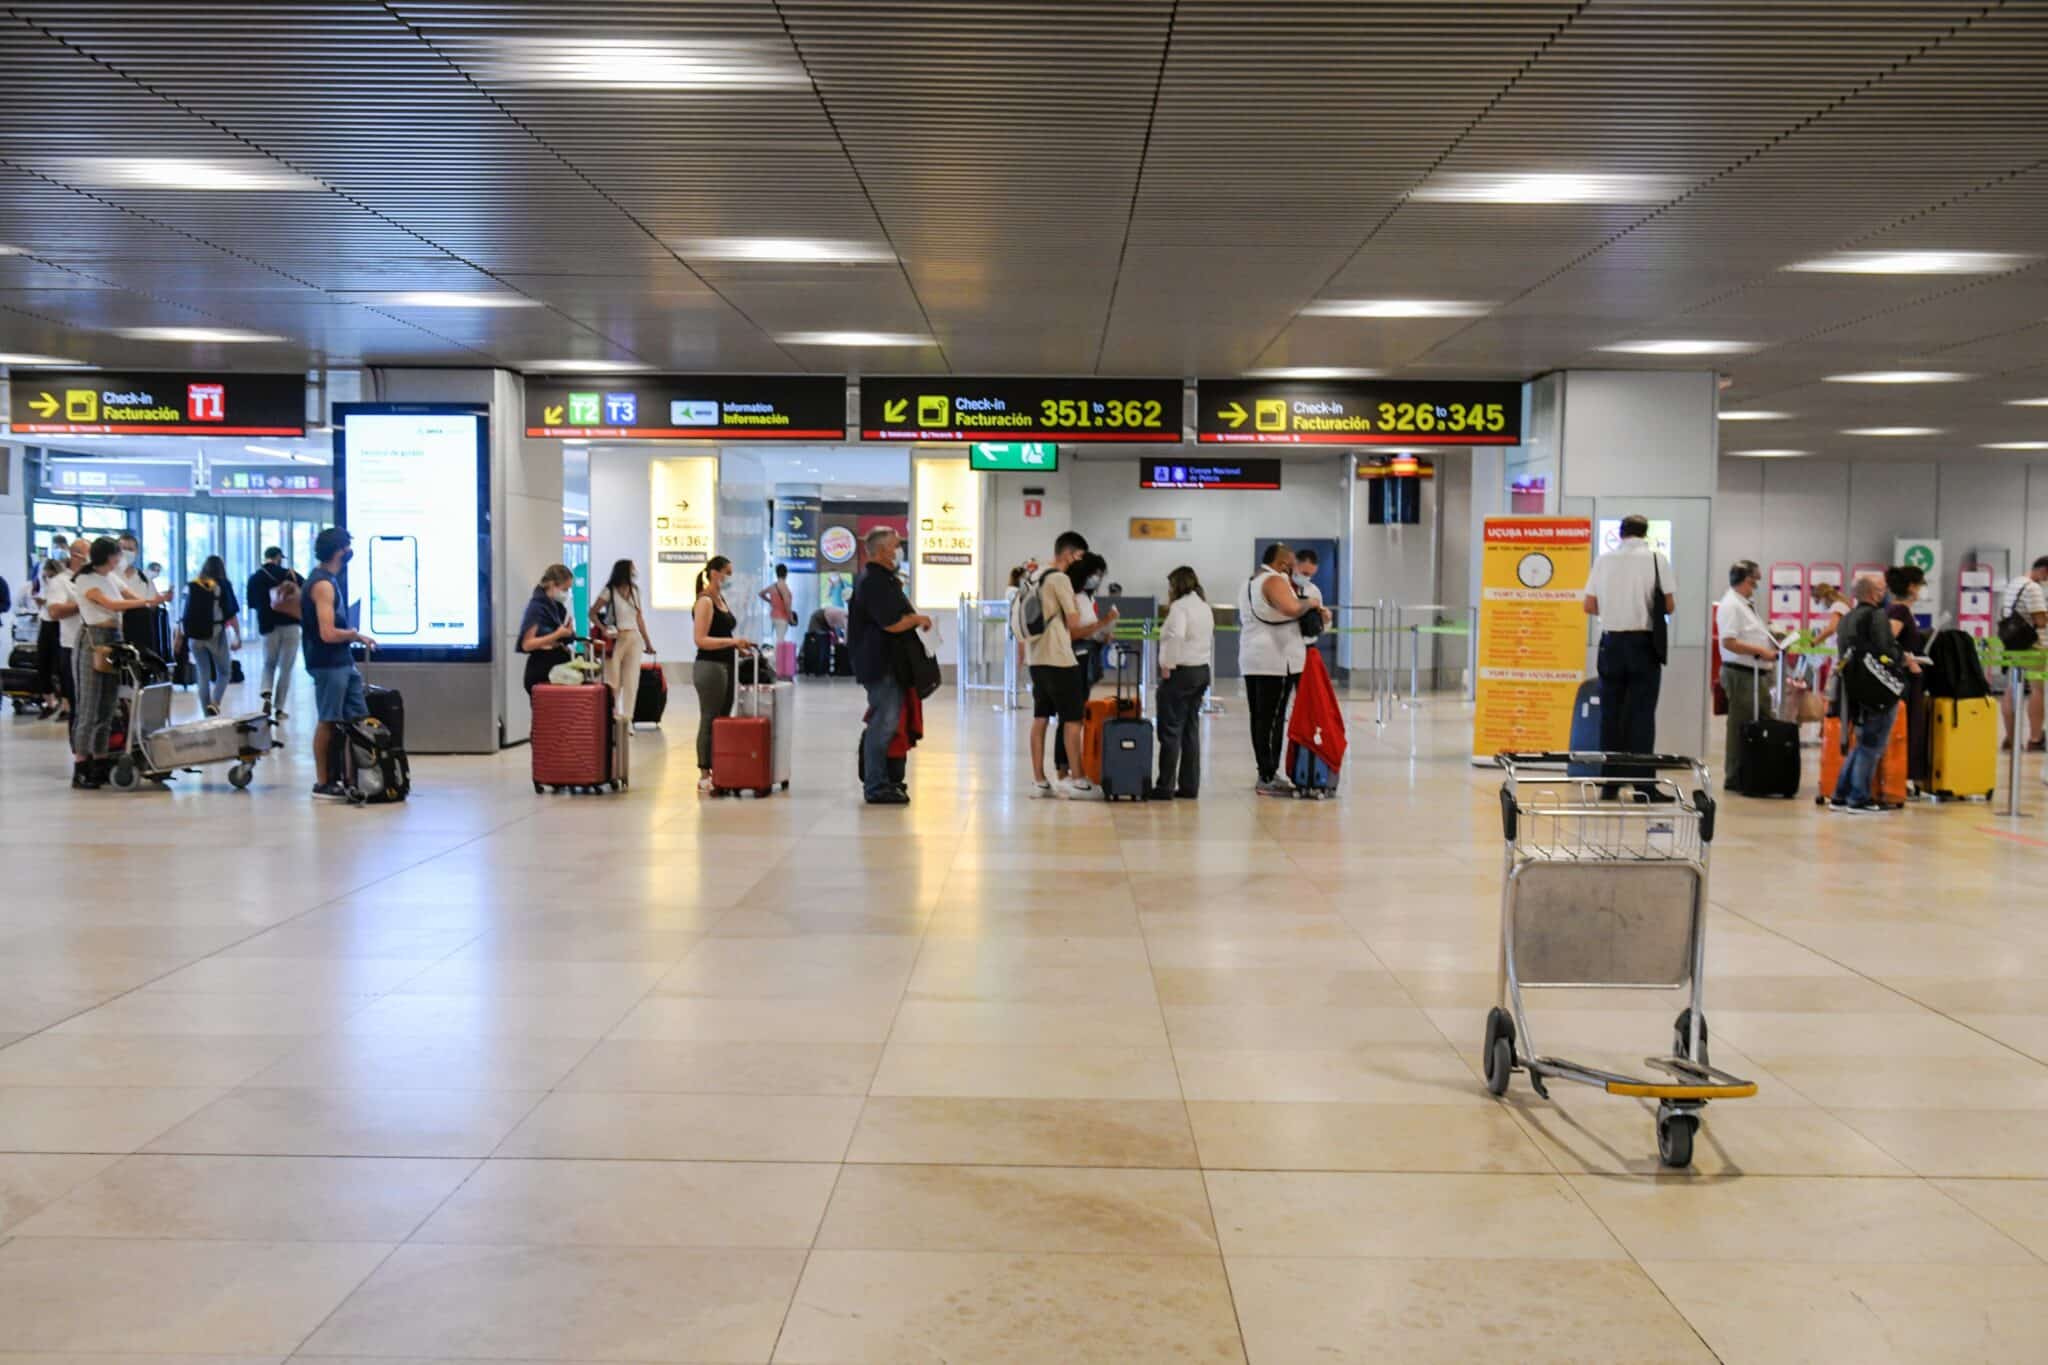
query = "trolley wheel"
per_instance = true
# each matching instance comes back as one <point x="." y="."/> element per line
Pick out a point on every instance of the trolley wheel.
<point x="1681" y="1036"/>
<point x="1674" y="1139"/>
<point x="239" y="775"/>
<point x="123" y="777"/>
<point x="1499" y="1053"/>
<point x="538" y="789"/>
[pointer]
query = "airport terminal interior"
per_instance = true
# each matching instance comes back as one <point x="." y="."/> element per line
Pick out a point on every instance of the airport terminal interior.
<point x="386" y="975"/>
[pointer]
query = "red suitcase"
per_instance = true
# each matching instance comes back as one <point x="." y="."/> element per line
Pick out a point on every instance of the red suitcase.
<point x="575" y="739"/>
<point x="743" y="751"/>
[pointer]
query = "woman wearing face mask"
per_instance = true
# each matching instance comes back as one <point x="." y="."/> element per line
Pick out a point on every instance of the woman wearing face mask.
<point x="546" y="630"/>
<point x="101" y="601"/>
<point x="718" y="650"/>
<point x="212" y="618"/>
<point x="616" y="613"/>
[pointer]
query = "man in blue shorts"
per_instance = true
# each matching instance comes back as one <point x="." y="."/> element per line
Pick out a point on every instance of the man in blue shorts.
<point x="337" y="686"/>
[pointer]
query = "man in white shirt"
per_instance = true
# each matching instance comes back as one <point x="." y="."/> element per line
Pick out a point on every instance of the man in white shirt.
<point x="1748" y="651"/>
<point x="2028" y="597"/>
<point x="61" y="604"/>
<point x="1618" y="592"/>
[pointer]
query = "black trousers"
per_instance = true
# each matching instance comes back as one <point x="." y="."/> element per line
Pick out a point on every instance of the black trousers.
<point x="1266" y="694"/>
<point x="1630" y="677"/>
<point x="51" y="663"/>
<point x="1180" y="729"/>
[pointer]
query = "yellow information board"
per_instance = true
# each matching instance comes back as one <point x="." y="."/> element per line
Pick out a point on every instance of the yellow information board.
<point x="946" y="536"/>
<point x="1532" y="631"/>
<point x="682" y="510"/>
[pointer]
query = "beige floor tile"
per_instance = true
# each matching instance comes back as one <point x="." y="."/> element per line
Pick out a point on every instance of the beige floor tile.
<point x="888" y="1307"/>
<point x="492" y="1016"/>
<point x="1599" y="1134"/>
<point x="1284" y="1027"/>
<point x="567" y="1303"/>
<point x="1152" y="1133"/>
<point x="1293" y="987"/>
<point x="29" y="1182"/>
<point x="2018" y="1208"/>
<point x="606" y="980"/>
<point x="1019" y="1208"/>
<point x="646" y="1127"/>
<point x="1044" y="1073"/>
<point x="987" y="922"/>
<point x="1844" y="1034"/>
<point x="253" y="1199"/>
<point x="1428" y="1216"/>
<point x="410" y="1062"/>
<point x="2008" y="1082"/>
<point x="1779" y="1313"/>
<point x="1368" y="1073"/>
<point x="1024" y="1023"/>
<point x="64" y="1059"/>
<point x="1115" y="983"/>
<point x="71" y="1118"/>
<point x="728" y="1068"/>
<point x="389" y="1123"/>
<point x="700" y="1019"/>
<point x="1958" y="1142"/>
<point x="1434" y="1312"/>
<point x="157" y="1014"/>
<point x="59" y="1294"/>
<point x="755" y="920"/>
<point x="314" y="978"/>
<point x="1795" y="1219"/>
<point x="1361" y="1137"/>
<point x="635" y="1203"/>
<point x="2026" y="1033"/>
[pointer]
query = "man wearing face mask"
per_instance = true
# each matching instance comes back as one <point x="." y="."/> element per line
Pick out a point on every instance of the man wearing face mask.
<point x="545" y="630"/>
<point x="337" y="686"/>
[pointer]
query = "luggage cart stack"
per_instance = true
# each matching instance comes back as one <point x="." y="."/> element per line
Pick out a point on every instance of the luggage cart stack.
<point x="1603" y="892"/>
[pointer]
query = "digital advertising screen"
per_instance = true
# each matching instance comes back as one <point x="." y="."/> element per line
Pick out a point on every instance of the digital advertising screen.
<point x="1659" y="537"/>
<point x="412" y="485"/>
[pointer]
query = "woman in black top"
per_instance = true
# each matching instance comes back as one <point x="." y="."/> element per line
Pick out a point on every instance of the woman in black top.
<point x="718" y="647"/>
<point x="545" y="630"/>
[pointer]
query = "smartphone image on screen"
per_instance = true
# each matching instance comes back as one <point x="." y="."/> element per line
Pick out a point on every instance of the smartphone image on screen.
<point x="394" y="585"/>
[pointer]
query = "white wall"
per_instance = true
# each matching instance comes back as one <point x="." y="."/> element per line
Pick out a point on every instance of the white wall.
<point x="1816" y="510"/>
<point x="14" y="524"/>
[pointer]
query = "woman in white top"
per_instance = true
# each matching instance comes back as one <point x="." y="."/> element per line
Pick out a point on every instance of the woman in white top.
<point x="100" y="599"/>
<point x="1271" y="651"/>
<point x="615" y="616"/>
<point x="1187" y="649"/>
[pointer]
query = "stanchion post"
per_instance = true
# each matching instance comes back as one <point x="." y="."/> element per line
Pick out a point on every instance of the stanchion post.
<point x="2015" y="732"/>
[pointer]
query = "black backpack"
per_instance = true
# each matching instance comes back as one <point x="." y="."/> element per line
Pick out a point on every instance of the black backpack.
<point x="1956" y="670"/>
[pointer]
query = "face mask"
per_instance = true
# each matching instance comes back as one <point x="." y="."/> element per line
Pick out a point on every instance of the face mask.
<point x="346" y="556"/>
<point x="558" y="595"/>
<point x="1302" y="580"/>
<point x="1092" y="584"/>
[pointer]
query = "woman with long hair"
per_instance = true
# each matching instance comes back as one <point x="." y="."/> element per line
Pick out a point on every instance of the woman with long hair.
<point x="615" y="616"/>
<point x="718" y="651"/>
<point x="212" y="618"/>
<point x="1187" y="652"/>
<point x="97" y="590"/>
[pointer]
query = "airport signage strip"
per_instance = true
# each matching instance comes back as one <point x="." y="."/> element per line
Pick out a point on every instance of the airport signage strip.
<point x="721" y="407"/>
<point x="107" y="478"/>
<point x="1361" y="412"/>
<point x="269" y="481"/>
<point x="1261" y="475"/>
<point x="107" y="403"/>
<point x="1018" y="457"/>
<point x="946" y="408"/>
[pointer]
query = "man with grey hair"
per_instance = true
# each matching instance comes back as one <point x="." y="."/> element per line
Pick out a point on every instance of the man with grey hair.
<point x="1747" y="649"/>
<point x="1630" y="589"/>
<point x="1872" y="672"/>
<point x="878" y="610"/>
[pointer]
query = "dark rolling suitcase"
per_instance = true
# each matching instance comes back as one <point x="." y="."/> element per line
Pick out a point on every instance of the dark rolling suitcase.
<point x="1126" y="747"/>
<point x="814" y="660"/>
<point x="1770" y="753"/>
<point x="650" y="703"/>
<point x="1585" y="733"/>
<point x="387" y="705"/>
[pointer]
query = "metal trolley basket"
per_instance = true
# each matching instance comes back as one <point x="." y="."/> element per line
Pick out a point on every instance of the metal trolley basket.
<point x="1607" y="893"/>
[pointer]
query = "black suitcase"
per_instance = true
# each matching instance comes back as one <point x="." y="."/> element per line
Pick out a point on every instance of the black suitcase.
<point x="814" y="659"/>
<point x="1126" y="758"/>
<point x="1770" y="753"/>
<point x="22" y="656"/>
<point x="650" y="703"/>
<point x="387" y="706"/>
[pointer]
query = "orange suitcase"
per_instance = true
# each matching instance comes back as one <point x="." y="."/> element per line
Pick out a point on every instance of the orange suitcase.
<point x="1889" y="786"/>
<point x="1098" y="714"/>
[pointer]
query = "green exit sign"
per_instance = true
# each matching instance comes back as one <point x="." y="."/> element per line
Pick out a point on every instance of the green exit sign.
<point x="1012" y="457"/>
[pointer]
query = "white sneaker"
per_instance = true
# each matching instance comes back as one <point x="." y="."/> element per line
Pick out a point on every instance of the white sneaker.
<point x="1042" y="791"/>
<point x="1080" y="789"/>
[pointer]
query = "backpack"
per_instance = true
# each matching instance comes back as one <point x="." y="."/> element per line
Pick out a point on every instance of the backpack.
<point x="1027" y="609"/>
<point x="1870" y="680"/>
<point x="286" y="599"/>
<point x="378" y="766"/>
<point x="2016" y="628"/>
<point x="1956" y="670"/>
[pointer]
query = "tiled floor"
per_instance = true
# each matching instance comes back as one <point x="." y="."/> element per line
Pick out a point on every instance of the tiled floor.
<point x="657" y="1079"/>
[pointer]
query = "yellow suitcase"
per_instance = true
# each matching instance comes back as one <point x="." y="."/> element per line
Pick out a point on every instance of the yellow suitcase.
<point x="1962" y="737"/>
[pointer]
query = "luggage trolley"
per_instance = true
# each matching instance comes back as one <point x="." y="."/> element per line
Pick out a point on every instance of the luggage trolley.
<point x="1605" y="893"/>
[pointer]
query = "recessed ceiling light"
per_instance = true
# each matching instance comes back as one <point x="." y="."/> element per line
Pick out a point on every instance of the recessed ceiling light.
<point x="55" y="361"/>
<point x="6" y="250"/>
<point x="576" y="441"/>
<point x="1395" y="308"/>
<point x="219" y="334"/>
<point x="1311" y="372"/>
<point x="1753" y="415"/>
<point x="444" y="298"/>
<point x="1682" y="346"/>
<point x="2027" y="402"/>
<point x="1765" y="454"/>
<point x="571" y="365"/>
<point x="1891" y="431"/>
<point x="183" y="173"/>
<point x="638" y="63"/>
<point x="827" y="251"/>
<point x="855" y="339"/>
<point x="1915" y="262"/>
<point x="2017" y="445"/>
<point x="1898" y="377"/>
<point x="1460" y="187"/>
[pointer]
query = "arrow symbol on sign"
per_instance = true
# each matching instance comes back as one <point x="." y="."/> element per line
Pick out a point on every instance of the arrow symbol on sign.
<point x="946" y="507"/>
<point x="896" y="410"/>
<point x="551" y="416"/>
<point x="44" y="405"/>
<point x="1234" y="414"/>
<point x="796" y="523"/>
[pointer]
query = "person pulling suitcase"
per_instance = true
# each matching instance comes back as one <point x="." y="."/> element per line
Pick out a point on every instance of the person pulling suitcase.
<point x="1748" y="651"/>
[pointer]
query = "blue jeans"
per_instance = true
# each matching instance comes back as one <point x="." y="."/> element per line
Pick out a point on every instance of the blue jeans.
<point x="1852" y="788"/>
<point x="340" y="694"/>
<point x="885" y="701"/>
<point x="214" y="667"/>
